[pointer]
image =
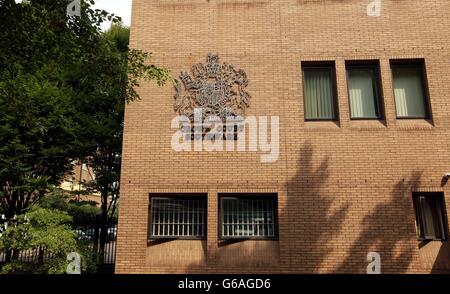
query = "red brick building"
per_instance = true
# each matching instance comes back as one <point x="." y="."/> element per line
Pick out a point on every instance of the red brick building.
<point x="362" y="97"/>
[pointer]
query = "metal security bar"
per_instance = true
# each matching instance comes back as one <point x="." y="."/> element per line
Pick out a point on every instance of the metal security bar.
<point x="177" y="217"/>
<point x="248" y="217"/>
<point x="87" y="230"/>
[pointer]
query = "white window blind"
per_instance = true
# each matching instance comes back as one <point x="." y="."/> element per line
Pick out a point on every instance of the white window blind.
<point x="318" y="91"/>
<point x="363" y="102"/>
<point x="408" y="91"/>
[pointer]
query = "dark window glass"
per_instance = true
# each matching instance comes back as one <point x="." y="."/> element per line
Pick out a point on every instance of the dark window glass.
<point x="409" y="90"/>
<point x="177" y="217"/>
<point x="429" y="216"/>
<point x="319" y="92"/>
<point x="363" y="91"/>
<point x="248" y="217"/>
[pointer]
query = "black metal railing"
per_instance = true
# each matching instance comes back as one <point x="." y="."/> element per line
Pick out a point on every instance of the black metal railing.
<point x="87" y="229"/>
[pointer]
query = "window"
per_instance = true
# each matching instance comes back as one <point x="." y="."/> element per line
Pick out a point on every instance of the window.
<point x="364" y="91"/>
<point x="248" y="216"/>
<point x="178" y="216"/>
<point x="319" y="91"/>
<point x="409" y="89"/>
<point x="430" y="216"/>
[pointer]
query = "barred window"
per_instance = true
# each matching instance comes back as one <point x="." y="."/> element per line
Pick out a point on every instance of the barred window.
<point x="177" y="217"/>
<point x="248" y="217"/>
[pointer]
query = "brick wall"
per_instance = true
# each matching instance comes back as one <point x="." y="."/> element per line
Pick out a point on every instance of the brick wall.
<point x="344" y="188"/>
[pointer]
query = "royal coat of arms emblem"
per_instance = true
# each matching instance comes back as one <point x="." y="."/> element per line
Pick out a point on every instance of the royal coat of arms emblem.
<point x="217" y="89"/>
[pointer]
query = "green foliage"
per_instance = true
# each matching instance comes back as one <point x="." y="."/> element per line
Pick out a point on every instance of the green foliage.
<point x="118" y="36"/>
<point x="102" y="136"/>
<point x="88" y="258"/>
<point x="63" y="89"/>
<point x="56" y="199"/>
<point x="82" y="210"/>
<point x="37" y="131"/>
<point x="15" y="267"/>
<point x="36" y="135"/>
<point x="40" y="228"/>
<point x="49" y="229"/>
<point x="59" y="199"/>
<point x="57" y="265"/>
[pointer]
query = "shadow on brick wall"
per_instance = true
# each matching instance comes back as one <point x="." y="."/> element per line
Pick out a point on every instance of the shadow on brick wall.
<point x="311" y="227"/>
<point x="307" y="223"/>
<point x="441" y="264"/>
<point x="313" y="221"/>
<point x="389" y="231"/>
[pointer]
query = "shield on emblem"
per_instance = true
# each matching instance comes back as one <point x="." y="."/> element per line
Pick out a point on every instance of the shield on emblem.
<point x="211" y="94"/>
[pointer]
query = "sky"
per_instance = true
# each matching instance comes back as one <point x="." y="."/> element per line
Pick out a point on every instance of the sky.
<point x="120" y="8"/>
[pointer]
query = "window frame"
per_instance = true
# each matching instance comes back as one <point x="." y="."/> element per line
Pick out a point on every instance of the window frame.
<point x="443" y="222"/>
<point x="376" y="86"/>
<point x="331" y="66"/>
<point x="178" y="196"/>
<point x="413" y="63"/>
<point x="248" y="196"/>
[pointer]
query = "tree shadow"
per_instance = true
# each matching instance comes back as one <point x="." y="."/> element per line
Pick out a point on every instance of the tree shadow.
<point x="441" y="263"/>
<point x="389" y="231"/>
<point x="308" y="219"/>
<point x="313" y="232"/>
<point x="313" y="218"/>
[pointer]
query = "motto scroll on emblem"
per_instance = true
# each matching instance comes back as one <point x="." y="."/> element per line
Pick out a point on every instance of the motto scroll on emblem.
<point x="218" y="89"/>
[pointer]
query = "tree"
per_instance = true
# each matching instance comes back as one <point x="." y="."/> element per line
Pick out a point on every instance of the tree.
<point x="37" y="130"/>
<point x="63" y="86"/>
<point x="102" y="118"/>
<point x="61" y="200"/>
<point x="40" y="228"/>
<point x="36" y="136"/>
<point x="63" y="90"/>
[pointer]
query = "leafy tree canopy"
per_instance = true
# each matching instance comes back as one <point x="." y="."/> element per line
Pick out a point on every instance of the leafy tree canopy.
<point x="63" y="87"/>
<point x="61" y="200"/>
